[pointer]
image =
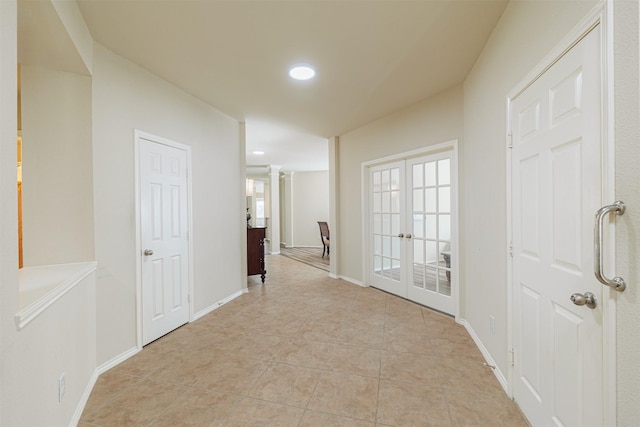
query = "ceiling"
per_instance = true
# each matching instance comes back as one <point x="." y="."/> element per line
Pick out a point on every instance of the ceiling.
<point x="371" y="58"/>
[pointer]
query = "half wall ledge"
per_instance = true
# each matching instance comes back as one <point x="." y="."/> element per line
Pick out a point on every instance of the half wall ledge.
<point x="41" y="286"/>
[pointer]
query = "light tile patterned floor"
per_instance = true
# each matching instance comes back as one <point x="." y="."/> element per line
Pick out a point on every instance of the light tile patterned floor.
<point x="306" y="350"/>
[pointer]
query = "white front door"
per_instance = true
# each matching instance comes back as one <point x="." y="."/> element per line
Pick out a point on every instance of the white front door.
<point x="557" y="188"/>
<point x="164" y="238"/>
<point x="411" y="225"/>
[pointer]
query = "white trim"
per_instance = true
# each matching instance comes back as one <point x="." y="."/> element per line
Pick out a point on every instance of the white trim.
<point x="351" y="280"/>
<point x="451" y="145"/>
<point x="431" y="149"/>
<point x="118" y="360"/>
<point x="75" y="419"/>
<point x="218" y="304"/>
<point x="601" y="14"/>
<point x="54" y="280"/>
<point x="491" y="364"/>
<point x="609" y="311"/>
<point x="137" y="136"/>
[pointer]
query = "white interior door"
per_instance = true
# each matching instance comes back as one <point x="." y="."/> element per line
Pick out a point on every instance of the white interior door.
<point x="164" y="238"/>
<point x="557" y="188"/>
<point x="431" y="224"/>
<point x="386" y="222"/>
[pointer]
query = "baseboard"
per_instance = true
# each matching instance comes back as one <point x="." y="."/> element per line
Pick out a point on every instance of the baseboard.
<point x="94" y="378"/>
<point x="220" y="303"/>
<point x="274" y="253"/>
<point x="487" y="356"/>
<point x="117" y="360"/>
<point x="351" y="280"/>
<point x="333" y="276"/>
<point x="75" y="419"/>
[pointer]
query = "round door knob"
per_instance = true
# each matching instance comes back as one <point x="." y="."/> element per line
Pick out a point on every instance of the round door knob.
<point x="587" y="299"/>
<point x="148" y="252"/>
<point x="401" y="235"/>
<point x="408" y="236"/>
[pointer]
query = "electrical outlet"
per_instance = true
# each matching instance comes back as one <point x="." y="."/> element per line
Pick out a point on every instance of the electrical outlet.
<point x="492" y="324"/>
<point x="62" y="385"/>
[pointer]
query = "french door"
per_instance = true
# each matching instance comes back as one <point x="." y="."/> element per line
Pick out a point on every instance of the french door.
<point x="412" y="229"/>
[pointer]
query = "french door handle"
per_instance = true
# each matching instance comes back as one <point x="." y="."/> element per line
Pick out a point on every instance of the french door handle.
<point x="408" y="236"/>
<point x="401" y="235"/>
<point x="617" y="282"/>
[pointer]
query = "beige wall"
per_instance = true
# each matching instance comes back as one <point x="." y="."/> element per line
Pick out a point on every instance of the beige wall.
<point x="63" y="337"/>
<point x="508" y="56"/>
<point x="126" y="97"/>
<point x="436" y="120"/>
<point x="628" y="226"/>
<point x="57" y="167"/>
<point x="310" y="205"/>
<point x="8" y="195"/>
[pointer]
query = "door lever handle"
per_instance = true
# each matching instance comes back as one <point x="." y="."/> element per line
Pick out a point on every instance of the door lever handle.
<point x="148" y="252"/>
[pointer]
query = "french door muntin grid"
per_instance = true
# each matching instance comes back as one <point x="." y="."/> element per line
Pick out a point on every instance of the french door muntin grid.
<point x="431" y="224"/>
<point x="386" y="187"/>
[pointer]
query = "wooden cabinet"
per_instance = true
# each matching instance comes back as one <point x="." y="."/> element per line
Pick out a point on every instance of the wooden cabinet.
<point x="255" y="252"/>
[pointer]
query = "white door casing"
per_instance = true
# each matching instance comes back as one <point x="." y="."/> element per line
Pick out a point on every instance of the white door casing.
<point x="556" y="184"/>
<point x="164" y="236"/>
<point x="411" y="226"/>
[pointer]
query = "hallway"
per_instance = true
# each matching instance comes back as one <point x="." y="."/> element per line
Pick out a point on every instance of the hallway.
<point x="306" y="350"/>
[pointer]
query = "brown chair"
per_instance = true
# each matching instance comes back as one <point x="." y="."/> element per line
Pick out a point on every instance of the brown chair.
<point x="324" y="235"/>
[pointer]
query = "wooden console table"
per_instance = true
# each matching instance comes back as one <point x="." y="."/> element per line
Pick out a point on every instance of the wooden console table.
<point x="255" y="252"/>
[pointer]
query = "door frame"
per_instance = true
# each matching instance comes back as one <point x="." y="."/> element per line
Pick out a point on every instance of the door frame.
<point x="139" y="135"/>
<point x="601" y="15"/>
<point x="452" y="146"/>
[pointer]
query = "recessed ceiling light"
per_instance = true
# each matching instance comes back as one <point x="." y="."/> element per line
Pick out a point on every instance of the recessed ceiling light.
<point x="258" y="153"/>
<point x="302" y="72"/>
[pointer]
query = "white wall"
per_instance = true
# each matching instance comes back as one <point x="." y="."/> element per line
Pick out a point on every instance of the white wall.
<point x="433" y="121"/>
<point x="57" y="167"/>
<point x="8" y="195"/>
<point x="62" y="339"/>
<point x="310" y="205"/>
<point x="126" y="97"/>
<point x="511" y="52"/>
<point x="628" y="226"/>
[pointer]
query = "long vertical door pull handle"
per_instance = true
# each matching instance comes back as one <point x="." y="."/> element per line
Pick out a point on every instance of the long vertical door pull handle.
<point x="616" y="283"/>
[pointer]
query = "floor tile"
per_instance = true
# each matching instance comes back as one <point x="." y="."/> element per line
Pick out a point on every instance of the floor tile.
<point x="138" y="405"/>
<point x="304" y="349"/>
<point x="345" y="394"/>
<point x="234" y="375"/>
<point x="478" y="411"/>
<point x="198" y="408"/>
<point x="407" y="367"/>
<point x="355" y="360"/>
<point x="304" y="353"/>
<point x="319" y="331"/>
<point x="287" y="384"/>
<point x="412" y="404"/>
<point x="321" y="419"/>
<point x="258" y="413"/>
